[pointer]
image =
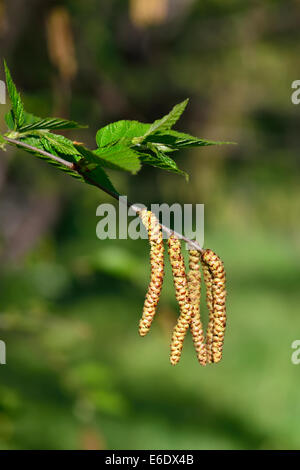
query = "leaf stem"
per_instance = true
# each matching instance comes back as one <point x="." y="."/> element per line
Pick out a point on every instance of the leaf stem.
<point x="191" y="243"/>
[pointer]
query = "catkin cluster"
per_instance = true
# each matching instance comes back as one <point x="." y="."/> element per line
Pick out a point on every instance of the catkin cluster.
<point x="157" y="269"/>
<point x="208" y="347"/>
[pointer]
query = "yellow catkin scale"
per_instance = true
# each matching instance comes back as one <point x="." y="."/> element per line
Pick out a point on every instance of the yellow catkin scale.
<point x="157" y="269"/>
<point x="194" y="283"/>
<point x="182" y="296"/>
<point x="216" y="268"/>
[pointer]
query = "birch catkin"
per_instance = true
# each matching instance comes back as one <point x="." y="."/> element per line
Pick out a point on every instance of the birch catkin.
<point x="157" y="269"/>
<point x="208" y="280"/>
<point x="216" y="269"/>
<point x="188" y="293"/>
<point x="194" y="283"/>
<point x="182" y="296"/>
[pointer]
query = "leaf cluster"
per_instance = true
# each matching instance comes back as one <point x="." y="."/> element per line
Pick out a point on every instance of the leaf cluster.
<point x="122" y="145"/>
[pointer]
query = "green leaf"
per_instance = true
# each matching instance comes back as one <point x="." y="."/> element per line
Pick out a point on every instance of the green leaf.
<point x="17" y="112"/>
<point x="59" y="143"/>
<point x="185" y="140"/>
<point x="114" y="158"/>
<point x="164" y="163"/>
<point x="91" y="164"/>
<point x="50" y="124"/>
<point x="98" y="176"/>
<point x="9" y="119"/>
<point x="169" y="120"/>
<point x="28" y="119"/>
<point x="123" y="131"/>
<point x="36" y="141"/>
<point x="119" y="157"/>
<point x="176" y="140"/>
<point x="152" y="156"/>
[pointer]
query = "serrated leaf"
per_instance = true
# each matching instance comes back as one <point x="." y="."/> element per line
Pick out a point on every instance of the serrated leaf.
<point x="97" y="176"/>
<point x="120" y="131"/>
<point x="169" y="120"/>
<point x="9" y="119"/>
<point x="59" y="143"/>
<point x="181" y="139"/>
<point x="119" y="157"/>
<point x="176" y="140"/>
<point x="50" y="124"/>
<point x="17" y="106"/>
<point x="160" y="160"/>
<point x="91" y="163"/>
<point x="37" y="143"/>
<point x="114" y="158"/>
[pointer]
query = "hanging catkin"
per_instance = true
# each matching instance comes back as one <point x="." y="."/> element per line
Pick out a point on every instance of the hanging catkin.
<point x="217" y="272"/>
<point x="194" y="283"/>
<point x="208" y="280"/>
<point x="182" y="296"/>
<point x="157" y="269"/>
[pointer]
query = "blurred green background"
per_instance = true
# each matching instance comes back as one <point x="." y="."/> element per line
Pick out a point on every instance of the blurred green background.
<point x="78" y="376"/>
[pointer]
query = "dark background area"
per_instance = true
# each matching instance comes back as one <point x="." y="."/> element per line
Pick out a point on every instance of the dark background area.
<point x="78" y="376"/>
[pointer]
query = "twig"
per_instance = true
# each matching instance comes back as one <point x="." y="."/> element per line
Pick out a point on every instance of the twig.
<point x="191" y="243"/>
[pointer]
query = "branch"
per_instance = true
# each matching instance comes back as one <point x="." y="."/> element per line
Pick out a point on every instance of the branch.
<point x="191" y="243"/>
